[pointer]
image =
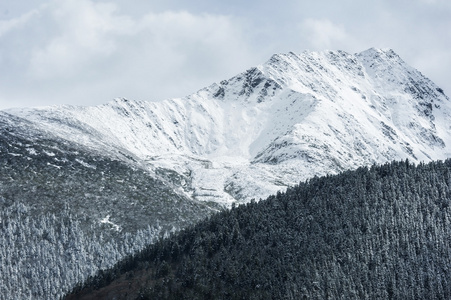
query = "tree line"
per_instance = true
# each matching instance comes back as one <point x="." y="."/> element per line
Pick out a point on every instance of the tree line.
<point x="379" y="232"/>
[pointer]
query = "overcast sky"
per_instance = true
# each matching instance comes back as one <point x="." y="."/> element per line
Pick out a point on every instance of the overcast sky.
<point x="88" y="52"/>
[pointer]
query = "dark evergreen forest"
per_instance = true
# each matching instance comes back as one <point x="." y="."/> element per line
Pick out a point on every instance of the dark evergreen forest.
<point x="67" y="211"/>
<point x="380" y="232"/>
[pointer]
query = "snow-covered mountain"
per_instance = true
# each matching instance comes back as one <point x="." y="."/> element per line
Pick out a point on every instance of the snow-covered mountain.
<point x="296" y="116"/>
<point x="82" y="187"/>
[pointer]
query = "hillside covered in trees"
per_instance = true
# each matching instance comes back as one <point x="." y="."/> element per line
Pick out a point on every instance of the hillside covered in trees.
<point x="67" y="211"/>
<point x="382" y="232"/>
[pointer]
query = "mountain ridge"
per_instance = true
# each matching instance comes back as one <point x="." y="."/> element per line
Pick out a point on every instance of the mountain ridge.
<point x="317" y="112"/>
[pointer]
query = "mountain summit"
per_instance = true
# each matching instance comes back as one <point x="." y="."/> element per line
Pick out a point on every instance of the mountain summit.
<point x="294" y="117"/>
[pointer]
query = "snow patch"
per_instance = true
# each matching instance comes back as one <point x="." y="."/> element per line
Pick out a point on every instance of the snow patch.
<point x="85" y="164"/>
<point x="51" y="154"/>
<point x="106" y="220"/>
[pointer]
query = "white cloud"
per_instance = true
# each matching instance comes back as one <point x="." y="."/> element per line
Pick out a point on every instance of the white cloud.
<point x="9" y="25"/>
<point x="432" y="1"/>
<point x="85" y="50"/>
<point x="322" y="33"/>
<point x="89" y="51"/>
<point x="87" y="31"/>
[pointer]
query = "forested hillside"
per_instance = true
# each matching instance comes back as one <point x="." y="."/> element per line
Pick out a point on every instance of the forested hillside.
<point x="375" y="233"/>
<point x="66" y="212"/>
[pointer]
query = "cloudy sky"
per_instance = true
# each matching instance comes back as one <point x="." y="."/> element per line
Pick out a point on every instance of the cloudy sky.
<point x="88" y="52"/>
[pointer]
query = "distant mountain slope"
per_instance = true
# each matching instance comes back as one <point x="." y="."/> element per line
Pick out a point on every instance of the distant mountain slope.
<point x="48" y="174"/>
<point x="66" y="211"/>
<point x="374" y="233"/>
<point x="296" y="116"/>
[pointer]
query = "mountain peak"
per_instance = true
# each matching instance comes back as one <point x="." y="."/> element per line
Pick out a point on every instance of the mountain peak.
<point x="293" y="117"/>
<point x="379" y="51"/>
<point x="388" y="56"/>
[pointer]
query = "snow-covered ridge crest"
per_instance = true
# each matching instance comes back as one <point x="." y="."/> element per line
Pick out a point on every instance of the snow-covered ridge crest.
<point x="296" y="116"/>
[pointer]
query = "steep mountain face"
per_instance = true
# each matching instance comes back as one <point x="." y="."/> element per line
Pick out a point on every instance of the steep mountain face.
<point x="294" y="117"/>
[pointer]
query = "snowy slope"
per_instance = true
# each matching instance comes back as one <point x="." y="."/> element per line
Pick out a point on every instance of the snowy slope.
<point x="296" y="116"/>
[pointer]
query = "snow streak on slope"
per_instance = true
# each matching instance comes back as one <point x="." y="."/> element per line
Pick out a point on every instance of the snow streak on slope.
<point x="289" y="119"/>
